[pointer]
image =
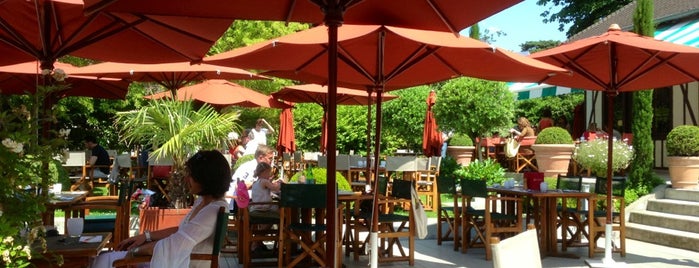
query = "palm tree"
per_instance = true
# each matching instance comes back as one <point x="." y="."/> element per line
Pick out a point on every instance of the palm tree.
<point x="176" y="130"/>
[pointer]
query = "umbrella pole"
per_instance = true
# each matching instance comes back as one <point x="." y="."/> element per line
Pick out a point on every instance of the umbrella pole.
<point x="375" y="210"/>
<point x="368" y="139"/>
<point x="333" y="19"/>
<point x="610" y="205"/>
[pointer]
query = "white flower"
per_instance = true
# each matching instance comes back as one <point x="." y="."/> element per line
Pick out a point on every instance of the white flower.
<point x="45" y="71"/>
<point x="15" y="147"/>
<point x="59" y="75"/>
<point x="63" y="133"/>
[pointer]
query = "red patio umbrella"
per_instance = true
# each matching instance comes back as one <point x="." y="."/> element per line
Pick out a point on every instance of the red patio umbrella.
<point x="616" y="62"/>
<point x="222" y="93"/>
<point x="314" y="93"/>
<point x="22" y="79"/>
<point x="447" y="15"/>
<point x="46" y="30"/>
<point x="286" y="141"/>
<point x="170" y="75"/>
<point x="431" y="137"/>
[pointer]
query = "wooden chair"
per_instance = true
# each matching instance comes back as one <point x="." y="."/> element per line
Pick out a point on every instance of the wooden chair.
<point x="502" y="217"/>
<point x="220" y="233"/>
<point x="118" y="224"/>
<point x="525" y="157"/>
<point x="597" y="215"/>
<point x="389" y="236"/>
<point x="446" y="185"/>
<point x="570" y="218"/>
<point x="521" y="250"/>
<point x="308" y="231"/>
<point x="249" y="232"/>
<point x="427" y="172"/>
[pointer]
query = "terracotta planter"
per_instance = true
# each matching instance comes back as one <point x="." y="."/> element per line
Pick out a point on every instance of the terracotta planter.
<point x="684" y="171"/>
<point x="462" y="154"/>
<point x="553" y="159"/>
<point x="154" y="218"/>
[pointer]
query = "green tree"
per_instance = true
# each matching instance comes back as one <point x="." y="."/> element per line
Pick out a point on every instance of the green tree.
<point x="579" y="14"/>
<point x="535" y="46"/>
<point x="641" y="174"/>
<point x="560" y="106"/>
<point x="475" y="32"/>
<point x="246" y="32"/>
<point x="404" y="117"/>
<point x="474" y="107"/>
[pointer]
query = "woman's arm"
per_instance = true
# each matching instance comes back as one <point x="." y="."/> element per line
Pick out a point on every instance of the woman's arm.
<point x="268" y="125"/>
<point x="140" y="240"/>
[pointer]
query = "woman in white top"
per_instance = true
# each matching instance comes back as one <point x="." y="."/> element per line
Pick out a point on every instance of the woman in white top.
<point x="260" y="131"/>
<point x="208" y="176"/>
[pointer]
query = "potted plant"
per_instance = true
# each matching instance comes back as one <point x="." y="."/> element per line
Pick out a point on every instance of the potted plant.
<point x="488" y="170"/>
<point x="320" y="176"/>
<point x="553" y="148"/>
<point x="461" y="148"/>
<point x="176" y="130"/>
<point x="683" y="156"/>
<point x="592" y="155"/>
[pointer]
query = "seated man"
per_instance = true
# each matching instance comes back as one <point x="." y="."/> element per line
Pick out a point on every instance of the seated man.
<point x="98" y="157"/>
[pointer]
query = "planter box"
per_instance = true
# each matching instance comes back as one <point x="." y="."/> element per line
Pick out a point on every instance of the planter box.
<point x="684" y="171"/>
<point x="154" y="218"/>
<point x="462" y="154"/>
<point x="553" y="159"/>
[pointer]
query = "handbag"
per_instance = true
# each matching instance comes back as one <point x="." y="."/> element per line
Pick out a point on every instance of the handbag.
<point x="511" y="147"/>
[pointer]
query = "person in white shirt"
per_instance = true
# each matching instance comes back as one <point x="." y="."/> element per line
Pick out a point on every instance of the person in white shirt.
<point x="208" y="176"/>
<point x="246" y="171"/>
<point x="259" y="135"/>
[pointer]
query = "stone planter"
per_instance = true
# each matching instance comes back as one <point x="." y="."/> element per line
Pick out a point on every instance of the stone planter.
<point x="553" y="159"/>
<point x="462" y="154"/>
<point x="684" y="171"/>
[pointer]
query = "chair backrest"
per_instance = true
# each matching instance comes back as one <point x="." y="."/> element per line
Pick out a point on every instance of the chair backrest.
<point x="322" y="161"/>
<point x="446" y="184"/>
<point x="401" y="189"/>
<point x="521" y="250"/>
<point x="286" y="157"/>
<point x="75" y="159"/>
<point x="383" y="185"/>
<point x="342" y="162"/>
<point x="422" y="163"/>
<point x="401" y="163"/>
<point x="474" y="188"/>
<point x="298" y="156"/>
<point x="618" y="186"/>
<point x="569" y="182"/>
<point x="303" y="195"/>
<point x="354" y="160"/>
<point x="220" y="234"/>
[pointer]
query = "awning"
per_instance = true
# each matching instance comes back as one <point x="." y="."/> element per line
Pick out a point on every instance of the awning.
<point x="525" y="91"/>
<point x="684" y="33"/>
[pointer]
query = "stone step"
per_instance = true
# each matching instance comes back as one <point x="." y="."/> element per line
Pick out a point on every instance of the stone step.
<point x="681" y="207"/>
<point x="666" y="220"/>
<point x="682" y="194"/>
<point x="663" y="236"/>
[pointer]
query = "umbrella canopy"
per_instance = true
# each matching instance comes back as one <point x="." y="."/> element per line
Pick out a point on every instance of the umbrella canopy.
<point x="621" y="61"/>
<point x="46" y="30"/>
<point x="222" y="93"/>
<point x="431" y="137"/>
<point x="170" y="75"/>
<point x="286" y="141"/>
<point x="384" y="56"/>
<point x="22" y="79"/>
<point x="314" y="93"/>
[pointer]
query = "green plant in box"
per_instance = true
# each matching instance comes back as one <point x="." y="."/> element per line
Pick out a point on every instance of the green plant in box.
<point x="320" y="176"/>
<point x="460" y="140"/>
<point x="554" y="135"/>
<point x="488" y="170"/>
<point x="683" y="141"/>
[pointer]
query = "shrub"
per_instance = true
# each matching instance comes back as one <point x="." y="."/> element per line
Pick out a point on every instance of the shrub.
<point x="554" y="135"/>
<point x="683" y="141"/>
<point x="460" y="140"/>
<point x="488" y="170"/>
<point x="320" y="175"/>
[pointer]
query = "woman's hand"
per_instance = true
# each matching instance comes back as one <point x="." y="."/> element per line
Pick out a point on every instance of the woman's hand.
<point x="131" y="242"/>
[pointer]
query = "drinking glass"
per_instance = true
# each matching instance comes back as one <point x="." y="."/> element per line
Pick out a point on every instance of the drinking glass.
<point x="75" y="227"/>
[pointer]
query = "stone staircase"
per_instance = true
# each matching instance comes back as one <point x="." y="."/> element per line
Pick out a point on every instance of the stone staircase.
<point x="670" y="217"/>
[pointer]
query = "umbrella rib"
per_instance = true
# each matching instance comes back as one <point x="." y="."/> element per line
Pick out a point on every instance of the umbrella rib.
<point x="17" y="40"/>
<point x="568" y="62"/>
<point x="411" y="60"/>
<point x="115" y="26"/>
<point x="347" y="58"/>
<point x="439" y="13"/>
<point x="635" y="73"/>
<point x="311" y="59"/>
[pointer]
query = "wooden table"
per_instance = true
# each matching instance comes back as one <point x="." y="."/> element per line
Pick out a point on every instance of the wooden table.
<point x="62" y="201"/>
<point x="75" y="254"/>
<point x="545" y="213"/>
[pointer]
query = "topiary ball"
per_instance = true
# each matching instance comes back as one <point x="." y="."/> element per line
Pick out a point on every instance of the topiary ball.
<point x="554" y="135"/>
<point x="683" y="141"/>
<point x="460" y="140"/>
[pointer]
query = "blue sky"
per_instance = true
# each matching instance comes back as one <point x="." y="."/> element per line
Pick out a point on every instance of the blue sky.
<point x="521" y="23"/>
